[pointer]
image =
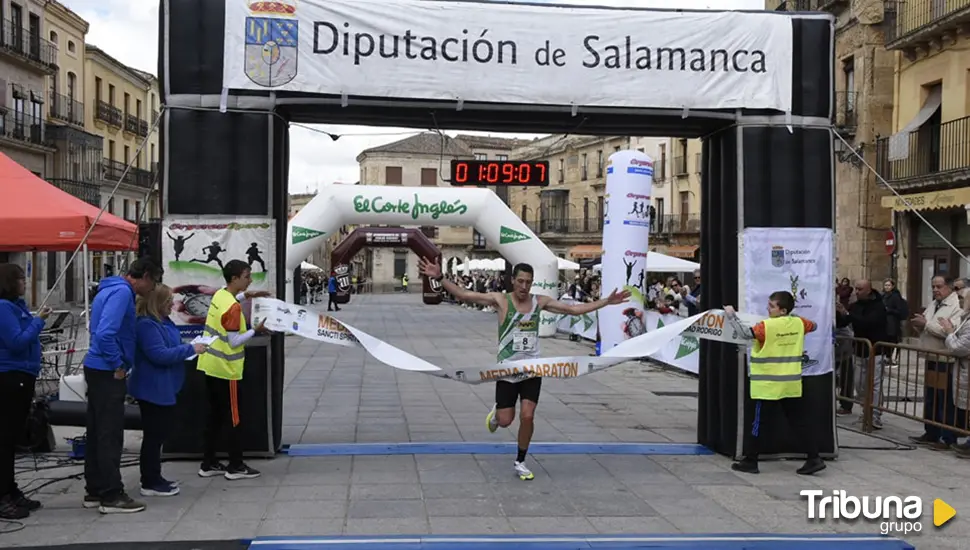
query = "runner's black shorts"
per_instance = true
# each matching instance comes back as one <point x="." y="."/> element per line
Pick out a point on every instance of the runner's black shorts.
<point x="507" y="393"/>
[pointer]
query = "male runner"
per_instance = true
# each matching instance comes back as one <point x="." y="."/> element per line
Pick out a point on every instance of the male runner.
<point x="518" y="338"/>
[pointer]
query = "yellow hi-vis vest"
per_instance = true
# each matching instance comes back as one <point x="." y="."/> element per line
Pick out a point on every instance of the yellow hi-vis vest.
<point x="220" y="360"/>
<point x="775" y="368"/>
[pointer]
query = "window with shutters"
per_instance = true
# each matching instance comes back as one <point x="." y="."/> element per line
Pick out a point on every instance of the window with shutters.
<point x="429" y="177"/>
<point x="392" y="175"/>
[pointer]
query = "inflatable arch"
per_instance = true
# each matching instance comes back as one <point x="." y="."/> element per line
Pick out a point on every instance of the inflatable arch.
<point x="384" y="237"/>
<point x="758" y="88"/>
<point x="338" y="205"/>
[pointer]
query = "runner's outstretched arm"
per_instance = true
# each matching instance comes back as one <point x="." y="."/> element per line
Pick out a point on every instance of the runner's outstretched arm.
<point x="485" y="299"/>
<point x="555" y="306"/>
<point x="433" y="271"/>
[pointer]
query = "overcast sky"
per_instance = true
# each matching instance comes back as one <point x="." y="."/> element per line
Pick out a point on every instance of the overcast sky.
<point x="128" y="30"/>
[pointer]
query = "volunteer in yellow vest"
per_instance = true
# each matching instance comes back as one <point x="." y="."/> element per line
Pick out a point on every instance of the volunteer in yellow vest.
<point x="775" y="373"/>
<point x="223" y="367"/>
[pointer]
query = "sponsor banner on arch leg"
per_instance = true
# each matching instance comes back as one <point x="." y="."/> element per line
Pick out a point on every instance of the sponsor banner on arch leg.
<point x="801" y="261"/>
<point x="508" y="53"/>
<point x="194" y="252"/>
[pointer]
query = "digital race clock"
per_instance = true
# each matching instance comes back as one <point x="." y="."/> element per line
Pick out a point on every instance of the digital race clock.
<point x="500" y="172"/>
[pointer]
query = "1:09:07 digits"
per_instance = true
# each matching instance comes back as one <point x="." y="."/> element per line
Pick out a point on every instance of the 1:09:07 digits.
<point x="500" y="172"/>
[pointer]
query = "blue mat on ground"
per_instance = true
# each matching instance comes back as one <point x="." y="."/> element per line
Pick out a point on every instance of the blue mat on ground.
<point x="474" y="448"/>
<point x="591" y="542"/>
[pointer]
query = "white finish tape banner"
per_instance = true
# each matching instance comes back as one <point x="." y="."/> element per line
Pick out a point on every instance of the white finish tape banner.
<point x="801" y="261"/>
<point x="626" y="232"/>
<point x="683" y="351"/>
<point x="301" y="321"/>
<point x="511" y="53"/>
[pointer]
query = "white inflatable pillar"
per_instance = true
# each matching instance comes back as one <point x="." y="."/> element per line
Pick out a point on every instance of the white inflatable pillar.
<point x="626" y="236"/>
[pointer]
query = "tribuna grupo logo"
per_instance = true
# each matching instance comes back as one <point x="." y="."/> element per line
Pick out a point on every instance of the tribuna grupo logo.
<point x="895" y="514"/>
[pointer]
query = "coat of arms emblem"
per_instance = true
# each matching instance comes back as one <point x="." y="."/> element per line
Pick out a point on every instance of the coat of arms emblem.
<point x="778" y="256"/>
<point x="272" y="42"/>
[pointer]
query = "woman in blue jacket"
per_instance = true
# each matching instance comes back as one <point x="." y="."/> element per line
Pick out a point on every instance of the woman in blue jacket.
<point x="155" y="382"/>
<point x="19" y="367"/>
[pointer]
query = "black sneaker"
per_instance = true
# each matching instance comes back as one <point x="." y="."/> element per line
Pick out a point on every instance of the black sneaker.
<point x="746" y="466"/>
<point x="242" y="472"/>
<point x="212" y="470"/>
<point x="30" y="504"/>
<point x="91" y="501"/>
<point x="811" y="466"/>
<point x="10" y="510"/>
<point x="123" y="504"/>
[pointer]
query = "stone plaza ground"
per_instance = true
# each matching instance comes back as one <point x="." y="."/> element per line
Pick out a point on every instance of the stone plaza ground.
<point x="341" y="395"/>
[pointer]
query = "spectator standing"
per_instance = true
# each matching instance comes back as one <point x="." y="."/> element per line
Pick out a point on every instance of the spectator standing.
<point x="869" y="321"/>
<point x="897" y="311"/>
<point x="156" y="381"/>
<point x="110" y="357"/>
<point x="20" y="354"/>
<point x="958" y="342"/>
<point x="937" y="389"/>
<point x="332" y="292"/>
<point x="693" y="299"/>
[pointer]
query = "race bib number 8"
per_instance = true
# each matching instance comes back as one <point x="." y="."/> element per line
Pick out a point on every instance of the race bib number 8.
<point x="524" y="341"/>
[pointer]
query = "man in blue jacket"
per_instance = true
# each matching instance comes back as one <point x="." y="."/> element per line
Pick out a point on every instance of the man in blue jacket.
<point x="332" y="291"/>
<point x="110" y="357"/>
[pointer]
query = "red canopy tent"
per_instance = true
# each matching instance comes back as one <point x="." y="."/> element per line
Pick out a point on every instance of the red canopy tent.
<point x="35" y="215"/>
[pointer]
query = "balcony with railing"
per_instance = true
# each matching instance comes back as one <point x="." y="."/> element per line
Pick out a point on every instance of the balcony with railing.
<point x="65" y="108"/>
<point x="87" y="192"/>
<point x="142" y="128"/>
<point x="680" y="165"/>
<point x="935" y="155"/>
<point x="18" y="43"/>
<point x="109" y="114"/>
<point x="912" y="25"/>
<point x="25" y="129"/>
<point x="76" y="166"/>
<point x="676" y="224"/>
<point x="131" y="124"/>
<point x="114" y="170"/>
<point x="846" y="115"/>
<point x="808" y="5"/>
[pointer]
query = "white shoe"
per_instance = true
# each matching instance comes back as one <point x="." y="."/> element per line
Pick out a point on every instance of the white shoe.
<point x="492" y="419"/>
<point x="524" y="473"/>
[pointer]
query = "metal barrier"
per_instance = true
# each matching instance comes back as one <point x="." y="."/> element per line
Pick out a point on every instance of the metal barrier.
<point x="907" y="381"/>
<point x="920" y="385"/>
<point x="61" y="340"/>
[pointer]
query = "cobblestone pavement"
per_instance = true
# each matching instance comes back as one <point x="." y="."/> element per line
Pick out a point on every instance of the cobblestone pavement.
<point x="338" y="394"/>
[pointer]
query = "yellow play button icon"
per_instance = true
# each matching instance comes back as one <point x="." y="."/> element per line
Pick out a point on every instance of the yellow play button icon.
<point x="942" y="512"/>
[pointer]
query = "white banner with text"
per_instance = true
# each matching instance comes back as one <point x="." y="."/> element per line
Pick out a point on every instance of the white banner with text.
<point x="511" y="53"/>
<point x="302" y="321"/>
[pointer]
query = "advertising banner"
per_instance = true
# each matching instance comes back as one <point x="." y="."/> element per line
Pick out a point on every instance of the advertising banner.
<point x="194" y="253"/>
<point x="511" y="53"/>
<point x="626" y="232"/>
<point x="302" y="321"/>
<point x="800" y="261"/>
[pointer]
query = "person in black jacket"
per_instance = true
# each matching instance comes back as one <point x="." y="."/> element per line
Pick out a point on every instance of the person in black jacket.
<point x="897" y="311"/>
<point x="869" y="321"/>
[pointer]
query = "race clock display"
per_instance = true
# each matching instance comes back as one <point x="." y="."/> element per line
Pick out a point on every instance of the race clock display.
<point x="500" y="172"/>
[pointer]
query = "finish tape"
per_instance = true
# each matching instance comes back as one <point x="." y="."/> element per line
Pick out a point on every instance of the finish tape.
<point x="301" y="321"/>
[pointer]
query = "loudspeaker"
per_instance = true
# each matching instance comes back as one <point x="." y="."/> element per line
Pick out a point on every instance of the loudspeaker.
<point x="150" y="241"/>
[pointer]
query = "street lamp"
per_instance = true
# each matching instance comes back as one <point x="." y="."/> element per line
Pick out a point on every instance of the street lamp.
<point x="844" y="153"/>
